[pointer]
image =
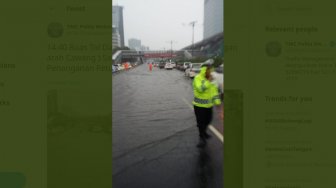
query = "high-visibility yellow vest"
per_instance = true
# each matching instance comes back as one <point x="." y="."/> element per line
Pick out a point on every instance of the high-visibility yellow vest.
<point x="205" y="93"/>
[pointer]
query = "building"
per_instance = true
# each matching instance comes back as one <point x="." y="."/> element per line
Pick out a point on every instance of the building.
<point x="213" y="17"/>
<point x="209" y="47"/>
<point x="118" y="22"/>
<point x="134" y="44"/>
<point x="144" y="48"/>
<point x="115" y="37"/>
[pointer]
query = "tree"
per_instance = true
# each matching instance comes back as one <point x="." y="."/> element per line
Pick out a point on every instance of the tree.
<point x="198" y="60"/>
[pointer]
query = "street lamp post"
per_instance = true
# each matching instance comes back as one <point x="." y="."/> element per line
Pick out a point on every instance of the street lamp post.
<point x="193" y="29"/>
<point x="171" y="48"/>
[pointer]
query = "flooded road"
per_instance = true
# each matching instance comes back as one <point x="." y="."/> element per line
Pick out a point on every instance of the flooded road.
<point x="155" y="134"/>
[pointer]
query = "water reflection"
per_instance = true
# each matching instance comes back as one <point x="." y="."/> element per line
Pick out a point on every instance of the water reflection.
<point x="205" y="171"/>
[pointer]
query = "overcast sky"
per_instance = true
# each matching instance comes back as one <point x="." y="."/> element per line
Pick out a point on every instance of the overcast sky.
<point x="156" y="22"/>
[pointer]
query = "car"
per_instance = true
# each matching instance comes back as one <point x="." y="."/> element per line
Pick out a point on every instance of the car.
<point x="114" y="69"/>
<point x="185" y="65"/>
<point x="173" y="64"/>
<point x="193" y="70"/>
<point x="162" y="65"/>
<point x="178" y="66"/>
<point x="120" y="67"/>
<point x="218" y="79"/>
<point x="168" y="66"/>
<point x="129" y="65"/>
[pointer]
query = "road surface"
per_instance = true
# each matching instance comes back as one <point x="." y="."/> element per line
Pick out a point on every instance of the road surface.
<point x="155" y="134"/>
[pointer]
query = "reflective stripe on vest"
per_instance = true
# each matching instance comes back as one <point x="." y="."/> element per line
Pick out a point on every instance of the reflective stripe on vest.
<point x="202" y="101"/>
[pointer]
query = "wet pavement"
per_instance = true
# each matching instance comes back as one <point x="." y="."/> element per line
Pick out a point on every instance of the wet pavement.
<point x="155" y="134"/>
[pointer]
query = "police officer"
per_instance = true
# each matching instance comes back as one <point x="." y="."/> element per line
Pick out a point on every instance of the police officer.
<point x="205" y="97"/>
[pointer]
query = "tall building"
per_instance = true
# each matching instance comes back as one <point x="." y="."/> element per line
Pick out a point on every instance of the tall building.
<point x="118" y="22"/>
<point x="213" y="17"/>
<point x="134" y="44"/>
<point x="144" y="48"/>
<point x="115" y="37"/>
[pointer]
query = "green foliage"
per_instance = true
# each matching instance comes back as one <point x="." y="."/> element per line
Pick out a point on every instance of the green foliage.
<point x="198" y="60"/>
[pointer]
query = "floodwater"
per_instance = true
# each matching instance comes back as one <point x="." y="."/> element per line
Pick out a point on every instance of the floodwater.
<point x="155" y="135"/>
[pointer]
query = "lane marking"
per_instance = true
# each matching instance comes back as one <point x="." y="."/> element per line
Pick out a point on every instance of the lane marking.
<point x="212" y="128"/>
<point x="217" y="133"/>
<point x="190" y="106"/>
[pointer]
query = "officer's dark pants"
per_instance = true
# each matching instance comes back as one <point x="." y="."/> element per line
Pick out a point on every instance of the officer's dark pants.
<point x="203" y="118"/>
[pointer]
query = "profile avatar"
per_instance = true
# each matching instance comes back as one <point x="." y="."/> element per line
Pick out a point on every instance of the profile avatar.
<point x="273" y="49"/>
<point x="55" y="30"/>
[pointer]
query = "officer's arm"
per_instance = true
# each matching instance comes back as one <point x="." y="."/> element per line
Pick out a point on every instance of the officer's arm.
<point x="215" y="97"/>
<point x="201" y="85"/>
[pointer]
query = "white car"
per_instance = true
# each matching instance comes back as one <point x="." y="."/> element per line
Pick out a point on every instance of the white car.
<point x="186" y="65"/>
<point x="219" y="78"/>
<point x="168" y="66"/>
<point x="120" y="67"/>
<point x="173" y="64"/>
<point x="193" y="70"/>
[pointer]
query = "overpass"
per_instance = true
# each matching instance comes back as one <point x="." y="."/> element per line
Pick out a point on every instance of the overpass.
<point x="209" y="47"/>
<point x="125" y="54"/>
